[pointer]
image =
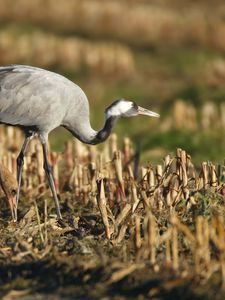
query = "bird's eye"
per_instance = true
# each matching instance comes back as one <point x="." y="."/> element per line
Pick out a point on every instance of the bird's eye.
<point x="135" y="106"/>
<point x="13" y="192"/>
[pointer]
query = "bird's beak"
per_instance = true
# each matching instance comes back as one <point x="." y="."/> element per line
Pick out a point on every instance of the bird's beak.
<point x="146" y="112"/>
<point x="13" y="207"/>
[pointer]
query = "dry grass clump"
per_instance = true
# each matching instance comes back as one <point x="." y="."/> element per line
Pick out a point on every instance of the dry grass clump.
<point x="150" y="22"/>
<point x="209" y="117"/>
<point x="166" y="216"/>
<point x="70" y="54"/>
<point x="214" y="72"/>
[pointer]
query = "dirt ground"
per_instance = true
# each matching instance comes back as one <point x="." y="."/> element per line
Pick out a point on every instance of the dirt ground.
<point x="74" y="260"/>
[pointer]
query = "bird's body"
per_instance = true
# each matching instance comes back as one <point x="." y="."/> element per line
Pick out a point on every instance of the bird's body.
<point x="39" y="101"/>
<point x="42" y="100"/>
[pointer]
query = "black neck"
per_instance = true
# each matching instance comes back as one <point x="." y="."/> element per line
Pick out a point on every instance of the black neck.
<point x="104" y="133"/>
<point x="89" y="136"/>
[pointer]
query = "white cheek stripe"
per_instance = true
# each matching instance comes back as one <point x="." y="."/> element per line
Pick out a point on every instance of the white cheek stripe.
<point x="120" y="108"/>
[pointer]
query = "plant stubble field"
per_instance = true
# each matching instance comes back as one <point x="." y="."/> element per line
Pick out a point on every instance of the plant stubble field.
<point x="137" y="223"/>
<point x="130" y="230"/>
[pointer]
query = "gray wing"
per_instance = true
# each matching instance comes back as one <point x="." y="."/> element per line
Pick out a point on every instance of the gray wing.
<point x="31" y="96"/>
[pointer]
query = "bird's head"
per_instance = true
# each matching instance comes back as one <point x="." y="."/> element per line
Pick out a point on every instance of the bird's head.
<point x="119" y="108"/>
<point x="125" y="108"/>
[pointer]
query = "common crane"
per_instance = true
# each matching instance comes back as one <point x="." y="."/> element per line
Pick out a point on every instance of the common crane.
<point x="38" y="101"/>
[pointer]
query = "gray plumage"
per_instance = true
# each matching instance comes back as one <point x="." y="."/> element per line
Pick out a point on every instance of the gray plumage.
<point x="39" y="101"/>
<point x="32" y="96"/>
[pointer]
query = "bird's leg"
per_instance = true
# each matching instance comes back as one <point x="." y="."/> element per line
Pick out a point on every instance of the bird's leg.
<point x="48" y="171"/>
<point x="20" y="162"/>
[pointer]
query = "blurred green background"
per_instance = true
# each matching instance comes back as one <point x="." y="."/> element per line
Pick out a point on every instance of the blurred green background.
<point x="167" y="55"/>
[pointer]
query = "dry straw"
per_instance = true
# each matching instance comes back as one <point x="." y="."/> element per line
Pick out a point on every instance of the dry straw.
<point x="147" y="215"/>
<point x="122" y="20"/>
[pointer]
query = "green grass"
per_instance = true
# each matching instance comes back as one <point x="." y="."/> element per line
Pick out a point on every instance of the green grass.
<point x="201" y="146"/>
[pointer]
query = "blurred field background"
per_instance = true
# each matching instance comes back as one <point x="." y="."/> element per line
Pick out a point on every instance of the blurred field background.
<point x="168" y="56"/>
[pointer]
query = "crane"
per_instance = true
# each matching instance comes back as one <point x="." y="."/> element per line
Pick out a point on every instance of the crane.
<point x="38" y="101"/>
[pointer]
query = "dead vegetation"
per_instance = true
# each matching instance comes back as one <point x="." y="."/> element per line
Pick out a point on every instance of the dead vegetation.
<point x="152" y="23"/>
<point x="160" y="227"/>
<point x="130" y="230"/>
<point x="68" y="53"/>
<point x="207" y="118"/>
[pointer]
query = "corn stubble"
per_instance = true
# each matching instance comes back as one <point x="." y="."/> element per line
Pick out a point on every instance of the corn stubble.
<point x="166" y="216"/>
